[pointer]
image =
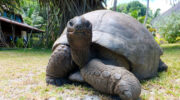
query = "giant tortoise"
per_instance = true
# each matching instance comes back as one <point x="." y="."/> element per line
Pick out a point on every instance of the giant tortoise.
<point x="108" y="50"/>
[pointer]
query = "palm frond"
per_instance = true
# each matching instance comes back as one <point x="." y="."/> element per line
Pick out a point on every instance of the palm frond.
<point x="60" y="11"/>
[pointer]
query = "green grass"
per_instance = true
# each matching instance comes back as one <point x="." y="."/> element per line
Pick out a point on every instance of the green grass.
<point x="22" y="77"/>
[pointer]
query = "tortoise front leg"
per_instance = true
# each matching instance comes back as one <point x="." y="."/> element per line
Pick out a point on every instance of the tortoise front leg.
<point x="112" y="80"/>
<point x="59" y="66"/>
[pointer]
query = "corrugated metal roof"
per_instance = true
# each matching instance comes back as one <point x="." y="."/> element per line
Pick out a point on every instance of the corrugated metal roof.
<point x="21" y="25"/>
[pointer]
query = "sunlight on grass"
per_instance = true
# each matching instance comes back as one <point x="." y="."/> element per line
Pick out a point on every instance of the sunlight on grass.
<point x="166" y="86"/>
<point x="23" y="77"/>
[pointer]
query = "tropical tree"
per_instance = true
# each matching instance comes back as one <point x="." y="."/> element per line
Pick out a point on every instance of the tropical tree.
<point x="58" y="12"/>
<point x="135" y="9"/>
<point x="131" y="7"/>
<point x="11" y="5"/>
<point x="30" y="11"/>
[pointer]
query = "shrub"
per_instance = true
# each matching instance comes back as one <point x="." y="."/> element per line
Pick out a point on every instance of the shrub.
<point x="19" y="43"/>
<point x="169" y="27"/>
<point x="178" y="39"/>
<point x="160" y="40"/>
<point x="157" y="40"/>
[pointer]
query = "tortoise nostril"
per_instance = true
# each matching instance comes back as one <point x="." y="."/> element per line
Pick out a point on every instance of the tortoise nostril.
<point x="78" y="27"/>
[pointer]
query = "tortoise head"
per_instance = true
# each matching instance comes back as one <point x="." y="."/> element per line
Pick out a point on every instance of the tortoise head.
<point x="79" y="32"/>
<point x="79" y="35"/>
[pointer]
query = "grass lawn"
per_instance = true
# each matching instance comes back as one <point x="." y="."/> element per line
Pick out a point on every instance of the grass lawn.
<point x="22" y="77"/>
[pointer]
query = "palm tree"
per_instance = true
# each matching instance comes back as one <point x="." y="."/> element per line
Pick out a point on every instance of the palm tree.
<point x="58" y="12"/>
<point x="147" y="10"/>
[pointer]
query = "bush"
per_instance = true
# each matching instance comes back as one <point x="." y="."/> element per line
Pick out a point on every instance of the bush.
<point x="178" y="39"/>
<point x="36" y="42"/>
<point x="160" y="40"/>
<point x="169" y="27"/>
<point x="20" y="43"/>
<point x="157" y="40"/>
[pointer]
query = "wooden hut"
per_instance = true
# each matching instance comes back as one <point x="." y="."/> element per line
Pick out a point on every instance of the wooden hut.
<point x="13" y="27"/>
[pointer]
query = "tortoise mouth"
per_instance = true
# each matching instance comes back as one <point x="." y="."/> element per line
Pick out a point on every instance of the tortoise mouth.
<point x="72" y="30"/>
<point x="83" y="32"/>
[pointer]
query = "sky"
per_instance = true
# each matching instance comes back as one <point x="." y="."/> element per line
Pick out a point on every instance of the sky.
<point x="164" y="5"/>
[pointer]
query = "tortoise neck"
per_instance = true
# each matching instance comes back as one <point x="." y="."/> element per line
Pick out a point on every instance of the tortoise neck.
<point x="81" y="56"/>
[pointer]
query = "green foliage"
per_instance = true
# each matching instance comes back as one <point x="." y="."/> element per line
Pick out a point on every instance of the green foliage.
<point x="28" y="20"/>
<point x="11" y="5"/>
<point x="169" y="27"/>
<point x="160" y="40"/>
<point x="37" y="42"/>
<point x="59" y="12"/>
<point x="134" y="14"/>
<point x="20" y="43"/>
<point x="132" y="7"/>
<point x="30" y="11"/>
<point x="122" y="8"/>
<point x="157" y="40"/>
<point x="136" y="5"/>
<point x="178" y="39"/>
<point x="141" y="19"/>
<point x="136" y="10"/>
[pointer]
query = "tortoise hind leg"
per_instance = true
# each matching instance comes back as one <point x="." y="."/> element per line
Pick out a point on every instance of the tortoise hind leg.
<point x="59" y="66"/>
<point x="111" y="79"/>
<point x="162" y="66"/>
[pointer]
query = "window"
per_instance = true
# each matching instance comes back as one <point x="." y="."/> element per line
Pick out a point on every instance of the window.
<point x="5" y="14"/>
<point x="18" y="19"/>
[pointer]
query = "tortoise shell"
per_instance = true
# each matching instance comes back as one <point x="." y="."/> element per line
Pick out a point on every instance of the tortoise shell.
<point x="124" y="35"/>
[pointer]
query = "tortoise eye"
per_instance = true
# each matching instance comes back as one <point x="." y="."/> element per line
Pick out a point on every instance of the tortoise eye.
<point x="70" y="23"/>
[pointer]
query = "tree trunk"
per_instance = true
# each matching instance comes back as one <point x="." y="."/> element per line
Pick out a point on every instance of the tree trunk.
<point x="147" y="10"/>
<point x="13" y="35"/>
<point x="114" y="6"/>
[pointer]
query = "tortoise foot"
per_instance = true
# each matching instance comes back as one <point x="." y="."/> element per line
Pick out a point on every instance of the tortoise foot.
<point x="57" y="81"/>
<point x="111" y="80"/>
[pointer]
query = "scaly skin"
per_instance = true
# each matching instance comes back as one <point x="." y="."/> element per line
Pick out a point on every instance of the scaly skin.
<point x="59" y="66"/>
<point x="105" y="78"/>
<point x="111" y="80"/>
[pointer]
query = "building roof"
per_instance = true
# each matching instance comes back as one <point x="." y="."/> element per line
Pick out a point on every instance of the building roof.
<point x="23" y="25"/>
